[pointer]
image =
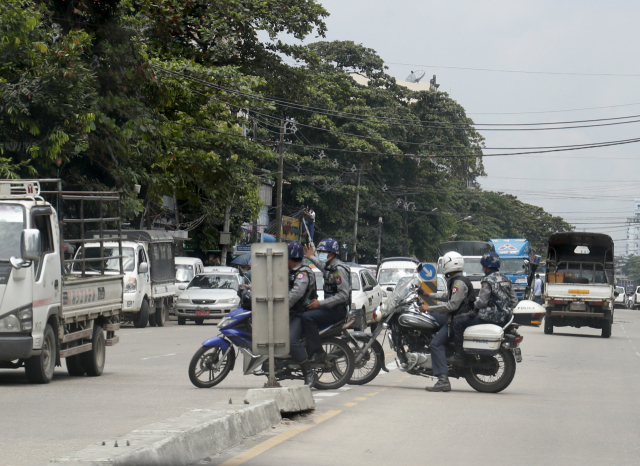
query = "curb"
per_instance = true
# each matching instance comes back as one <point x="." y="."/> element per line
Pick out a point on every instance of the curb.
<point x="289" y="399"/>
<point x="180" y="441"/>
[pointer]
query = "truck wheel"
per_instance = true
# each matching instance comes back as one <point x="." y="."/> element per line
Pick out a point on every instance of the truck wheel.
<point x="74" y="366"/>
<point x="606" y="325"/>
<point x="182" y="321"/>
<point x="161" y="314"/>
<point x="548" y="325"/>
<point x="39" y="368"/>
<point x="93" y="361"/>
<point x="141" y="318"/>
<point x="152" y="319"/>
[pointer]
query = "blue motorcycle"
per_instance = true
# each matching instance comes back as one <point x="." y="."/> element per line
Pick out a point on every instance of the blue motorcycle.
<point x="216" y="358"/>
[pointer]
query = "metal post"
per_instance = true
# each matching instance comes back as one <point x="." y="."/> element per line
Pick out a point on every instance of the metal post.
<point x="405" y="246"/>
<point x="254" y="229"/>
<point x="379" y="237"/>
<point x="101" y="238"/>
<point x="271" y="382"/>
<point x="227" y="219"/>
<point x="279" y="192"/>
<point x="84" y="251"/>
<point x="355" y="224"/>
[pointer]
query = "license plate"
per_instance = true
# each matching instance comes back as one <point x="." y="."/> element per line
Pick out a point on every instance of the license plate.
<point x="202" y="312"/>
<point x="518" y="354"/>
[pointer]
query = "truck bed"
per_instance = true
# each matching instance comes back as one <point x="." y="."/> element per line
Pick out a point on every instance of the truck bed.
<point x="89" y="297"/>
<point x="583" y="292"/>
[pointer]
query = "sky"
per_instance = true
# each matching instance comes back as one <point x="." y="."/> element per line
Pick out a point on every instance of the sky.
<point x="592" y="189"/>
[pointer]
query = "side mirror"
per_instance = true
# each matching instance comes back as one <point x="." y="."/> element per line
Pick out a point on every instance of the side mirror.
<point x="30" y="248"/>
<point x="390" y="288"/>
<point x="182" y="286"/>
<point x="616" y="294"/>
<point x="143" y="267"/>
<point x="368" y="288"/>
<point x="419" y="268"/>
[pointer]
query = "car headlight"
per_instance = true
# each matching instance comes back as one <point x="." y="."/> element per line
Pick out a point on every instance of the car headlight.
<point x="10" y="323"/>
<point x="132" y="286"/>
<point x="183" y="301"/>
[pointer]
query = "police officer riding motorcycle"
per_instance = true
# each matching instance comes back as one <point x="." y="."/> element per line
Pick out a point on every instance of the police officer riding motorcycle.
<point x="337" y="295"/>
<point x="302" y="291"/>
<point x="459" y="299"/>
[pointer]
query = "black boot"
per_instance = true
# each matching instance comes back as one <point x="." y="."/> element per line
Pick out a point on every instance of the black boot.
<point x="458" y="358"/>
<point x="310" y="377"/>
<point x="442" y="385"/>
<point x="319" y="356"/>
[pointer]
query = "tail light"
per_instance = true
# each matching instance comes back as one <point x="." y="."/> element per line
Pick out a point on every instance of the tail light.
<point x="597" y="303"/>
<point x="519" y="338"/>
<point x="558" y="301"/>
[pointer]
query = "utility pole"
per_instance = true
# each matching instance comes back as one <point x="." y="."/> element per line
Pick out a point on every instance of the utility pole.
<point x="224" y="237"/>
<point x="379" y="237"/>
<point x="254" y="229"/>
<point x="355" y="225"/>
<point x="279" y="192"/>
<point x="405" y="246"/>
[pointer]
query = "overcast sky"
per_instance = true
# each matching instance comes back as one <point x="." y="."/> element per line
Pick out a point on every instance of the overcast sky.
<point x="592" y="189"/>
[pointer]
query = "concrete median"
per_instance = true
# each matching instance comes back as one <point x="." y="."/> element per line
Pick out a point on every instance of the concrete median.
<point x="183" y="440"/>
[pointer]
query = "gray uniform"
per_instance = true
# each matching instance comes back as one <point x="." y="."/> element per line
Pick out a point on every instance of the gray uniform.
<point x="337" y="283"/>
<point x="496" y="300"/>
<point x="300" y="284"/>
<point x="458" y="295"/>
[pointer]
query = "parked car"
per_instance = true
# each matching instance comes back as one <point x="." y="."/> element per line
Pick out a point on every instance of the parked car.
<point x="620" y="300"/>
<point x="366" y="295"/>
<point x="210" y="295"/>
<point x="391" y="270"/>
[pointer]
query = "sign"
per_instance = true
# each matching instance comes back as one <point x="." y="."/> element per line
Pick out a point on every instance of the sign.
<point x="291" y="229"/>
<point x="429" y="282"/>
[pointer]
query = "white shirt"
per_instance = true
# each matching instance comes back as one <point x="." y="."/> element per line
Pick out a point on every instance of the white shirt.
<point x="312" y="215"/>
<point x="537" y="287"/>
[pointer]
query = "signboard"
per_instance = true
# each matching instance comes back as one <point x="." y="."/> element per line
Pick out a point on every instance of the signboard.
<point x="291" y="229"/>
<point x="270" y="299"/>
<point x="429" y="282"/>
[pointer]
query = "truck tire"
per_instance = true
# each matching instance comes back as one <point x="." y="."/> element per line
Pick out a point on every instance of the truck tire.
<point x="74" y="366"/>
<point x="182" y="321"/>
<point x="39" y="368"/>
<point x="93" y="361"/>
<point x="152" y="319"/>
<point x="161" y="314"/>
<point x="606" y="325"/>
<point x="141" y="318"/>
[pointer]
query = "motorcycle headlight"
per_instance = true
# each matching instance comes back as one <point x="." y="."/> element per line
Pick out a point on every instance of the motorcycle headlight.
<point x="132" y="286"/>
<point x="10" y="323"/>
<point x="224" y="322"/>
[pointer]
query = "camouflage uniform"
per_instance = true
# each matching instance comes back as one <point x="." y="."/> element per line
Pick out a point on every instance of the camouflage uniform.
<point x="302" y="290"/>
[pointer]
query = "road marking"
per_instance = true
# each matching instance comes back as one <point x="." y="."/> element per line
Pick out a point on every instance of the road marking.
<point x="394" y="384"/>
<point x="278" y="439"/>
<point x="637" y="353"/>
<point x="371" y="394"/>
<point x="386" y="355"/>
<point x="382" y="389"/>
<point x="344" y="389"/>
<point x="349" y="405"/>
<point x="360" y="398"/>
<point x="161" y="356"/>
<point x="134" y="333"/>
<point x="325" y="394"/>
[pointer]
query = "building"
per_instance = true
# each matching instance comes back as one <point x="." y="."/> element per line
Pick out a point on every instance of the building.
<point x="633" y="231"/>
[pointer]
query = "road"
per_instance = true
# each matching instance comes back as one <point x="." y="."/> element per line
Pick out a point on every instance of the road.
<point x="575" y="400"/>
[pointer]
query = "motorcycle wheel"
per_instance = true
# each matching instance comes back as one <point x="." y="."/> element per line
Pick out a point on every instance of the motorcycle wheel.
<point x="498" y="381"/>
<point x="201" y="368"/>
<point x="369" y="366"/>
<point x="335" y="372"/>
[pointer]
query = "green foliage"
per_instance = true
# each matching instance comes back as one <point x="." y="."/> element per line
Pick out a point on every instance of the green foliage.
<point x="632" y="268"/>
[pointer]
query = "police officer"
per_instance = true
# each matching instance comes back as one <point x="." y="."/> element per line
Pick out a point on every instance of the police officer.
<point x="302" y="290"/>
<point x="495" y="302"/>
<point x="459" y="299"/>
<point x="337" y="295"/>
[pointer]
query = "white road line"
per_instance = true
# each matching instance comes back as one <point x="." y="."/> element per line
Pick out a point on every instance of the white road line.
<point x="318" y="400"/>
<point x="344" y="389"/>
<point x="637" y="353"/>
<point x="325" y="394"/>
<point x="133" y="333"/>
<point x="161" y="356"/>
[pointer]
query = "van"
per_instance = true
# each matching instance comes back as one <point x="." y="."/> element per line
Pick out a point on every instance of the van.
<point x="391" y="270"/>
<point x="186" y="269"/>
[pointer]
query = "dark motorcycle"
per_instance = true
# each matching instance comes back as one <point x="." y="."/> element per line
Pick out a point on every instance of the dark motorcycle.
<point x="491" y="351"/>
<point x="216" y="358"/>
<point x="367" y="351"/>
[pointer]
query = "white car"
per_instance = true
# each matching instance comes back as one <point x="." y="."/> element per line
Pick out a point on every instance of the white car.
<point x="209" y="296"/>
<point x="620" y="300"/>
<point x="391" y="270"/>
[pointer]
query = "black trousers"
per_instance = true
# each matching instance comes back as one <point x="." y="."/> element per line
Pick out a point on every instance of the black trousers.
<point x="315" y="318"/>
<point x="438" y="354"/>
<point x="296" y="331"/>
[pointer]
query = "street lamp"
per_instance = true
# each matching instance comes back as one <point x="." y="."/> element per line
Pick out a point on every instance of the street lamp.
<point x="463" y="219"/>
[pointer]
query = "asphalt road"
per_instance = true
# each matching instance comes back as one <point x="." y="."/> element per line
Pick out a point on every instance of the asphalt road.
<point x="575" y="399"/>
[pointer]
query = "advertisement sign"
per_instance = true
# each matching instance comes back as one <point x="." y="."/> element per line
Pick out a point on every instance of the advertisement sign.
<point x="291" y="229"/>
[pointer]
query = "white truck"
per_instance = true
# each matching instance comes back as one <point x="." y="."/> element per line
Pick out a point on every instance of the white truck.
<point x="580" y="283"/>
<point x="45" y="313"/>
<point x="149" y="272"/>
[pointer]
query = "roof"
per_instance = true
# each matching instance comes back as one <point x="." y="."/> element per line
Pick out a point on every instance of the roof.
<point x="187" y="260"/>
<point x="400" y="259"/>
<point x="465" y="248"/>
<point x="144" y="236"/>
<point x="221" y="269"/>
<point x="564" y="244"/>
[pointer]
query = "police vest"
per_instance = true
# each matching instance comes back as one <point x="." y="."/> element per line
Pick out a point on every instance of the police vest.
<point x="467" y="304"/>
<point x="331" y="286"/>
<point x="310" y="294"/>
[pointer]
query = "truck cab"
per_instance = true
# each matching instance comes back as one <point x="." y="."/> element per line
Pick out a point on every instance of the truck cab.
<point x="513" y="253"/>
<point x="472" y="252"/>
<point x="580" y="283"/>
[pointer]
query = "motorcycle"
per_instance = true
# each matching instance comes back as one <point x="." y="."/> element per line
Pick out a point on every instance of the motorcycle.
<point x="216" y="357"/>
<point x="491" y="351"/>
<point x="367" y="351"/>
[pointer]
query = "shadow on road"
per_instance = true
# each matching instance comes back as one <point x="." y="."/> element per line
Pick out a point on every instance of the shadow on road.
<point x="580" y="335"/>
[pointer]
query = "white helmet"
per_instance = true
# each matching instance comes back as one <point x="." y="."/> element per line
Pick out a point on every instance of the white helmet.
<point x="452" y="262"/>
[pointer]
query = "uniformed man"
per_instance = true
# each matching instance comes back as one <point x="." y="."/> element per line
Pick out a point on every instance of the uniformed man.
<point x="337" y="295"/>
<point x="459" y="299"/>
<point x="302" y="290"/>
<point x="495" y="302"/>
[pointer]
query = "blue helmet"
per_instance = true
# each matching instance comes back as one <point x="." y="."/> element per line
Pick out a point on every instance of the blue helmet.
<point x="491" y="260"/>
<point x="295" y="250"/>
<point x="328" y="245"/>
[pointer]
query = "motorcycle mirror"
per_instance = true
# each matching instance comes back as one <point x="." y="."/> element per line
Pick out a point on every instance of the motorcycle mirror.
<point x="419" y="268"/>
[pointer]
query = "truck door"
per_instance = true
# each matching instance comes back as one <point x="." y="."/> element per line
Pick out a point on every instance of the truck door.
<point x="46" y="271"/>
<point x="144" y="277"/>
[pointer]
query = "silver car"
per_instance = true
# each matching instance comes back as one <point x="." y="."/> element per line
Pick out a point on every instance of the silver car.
<point x="209" y="296"/>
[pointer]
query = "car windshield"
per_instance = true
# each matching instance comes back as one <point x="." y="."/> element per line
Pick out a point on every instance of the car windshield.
<point x="214" y="282"/>
<point x="184" y="273"/>
<point x="110" y="265"/>
<point x="472" y="267"/>
<point x="512" y="266"/>
<point x="393" y="276"/>
<point x="11" y="226"/>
